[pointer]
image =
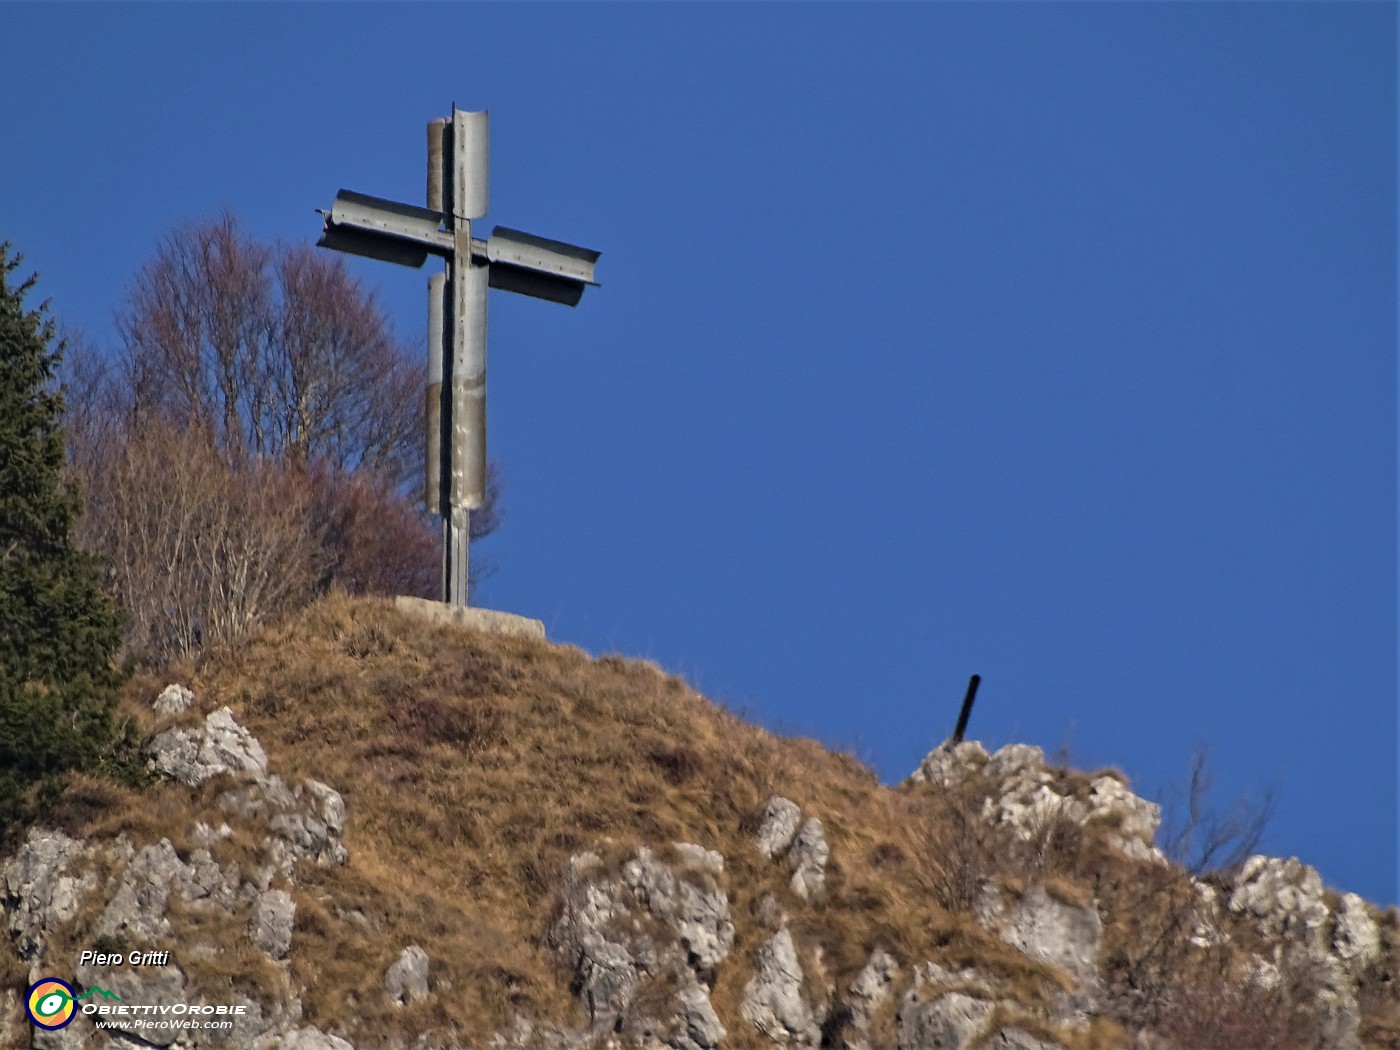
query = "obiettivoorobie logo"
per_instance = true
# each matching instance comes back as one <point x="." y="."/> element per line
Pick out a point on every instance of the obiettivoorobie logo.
<point x="52" y="1004"/>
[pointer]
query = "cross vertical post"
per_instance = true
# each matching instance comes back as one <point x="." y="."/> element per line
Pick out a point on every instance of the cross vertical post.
<point x="455" y="450"/>
<point x="468" y="282"/>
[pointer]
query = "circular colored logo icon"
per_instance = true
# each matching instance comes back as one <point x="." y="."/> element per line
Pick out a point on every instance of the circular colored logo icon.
<point x="50" y="1003"/>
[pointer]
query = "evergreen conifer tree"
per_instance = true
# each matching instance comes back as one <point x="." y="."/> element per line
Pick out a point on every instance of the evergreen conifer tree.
<point x="59" y="632"/>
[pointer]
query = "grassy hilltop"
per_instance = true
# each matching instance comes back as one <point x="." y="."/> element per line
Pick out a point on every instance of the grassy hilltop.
<point x="474" y="767"/>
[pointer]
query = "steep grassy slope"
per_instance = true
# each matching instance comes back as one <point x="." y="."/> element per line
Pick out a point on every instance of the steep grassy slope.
<point x="473" y="768"/>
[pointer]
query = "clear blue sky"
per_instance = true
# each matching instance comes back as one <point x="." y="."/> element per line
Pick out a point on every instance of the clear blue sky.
<point x="1052" y="342"/>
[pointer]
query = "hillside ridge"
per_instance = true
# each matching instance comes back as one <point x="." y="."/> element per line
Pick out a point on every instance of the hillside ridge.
<point x="370" y="832"/>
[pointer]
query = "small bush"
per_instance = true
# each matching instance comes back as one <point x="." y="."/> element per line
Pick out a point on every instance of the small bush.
<point x="1214" y="1012"/>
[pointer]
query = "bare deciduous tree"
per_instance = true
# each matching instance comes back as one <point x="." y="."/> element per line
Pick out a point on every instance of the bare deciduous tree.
<point x="277" y="350"/>
<point x="198" y="550"/>
<point x="1204" y="839"/>
<point x="253" y="443"/>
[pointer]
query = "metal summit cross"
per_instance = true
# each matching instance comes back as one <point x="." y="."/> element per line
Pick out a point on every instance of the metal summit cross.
<point x="458" y="159"/>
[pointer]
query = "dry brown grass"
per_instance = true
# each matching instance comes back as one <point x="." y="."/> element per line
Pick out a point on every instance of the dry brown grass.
<point x="473" y="767"/>
<point x="1379" y="992"/>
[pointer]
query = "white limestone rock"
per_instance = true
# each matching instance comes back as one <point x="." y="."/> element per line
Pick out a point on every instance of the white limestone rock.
<point x="1135" y="819"/>
<point x="1065" y="936"/>
<point x="773" y="1001"/>
<point x="932" y="979"/>
<point x="306" y="821"/>
<point x="699" y="1027"/>
<point x="808" y="857"/>
<point x="270" y="925"/>
<point x="868" y="992"/>
<point x="1027" y="802"/>
<point x="780" y="822"/>
<point x="221" y="747"/>
<point x="1027" y="807"/>
<point x="1356" y="941"/>
<point x="1283" y="897"/>
<point x="303" y="1039"/>
<point x="137" y="909"/>
<point x="770" y="913"/>
<point x="695" y="907"/>
<point x="1018" y="761"/>
<point x="406" y="980"/>
<point x="172" y="700"/>
<point x="949" y="764"/>
<point x="951" y="1021"/>
<point x="651" y="919"/>
<point x="1013" y="1038"/>
<point x="203" y="883"/>
<point x="1206" y="931"/>
<point x="42" y="889"/>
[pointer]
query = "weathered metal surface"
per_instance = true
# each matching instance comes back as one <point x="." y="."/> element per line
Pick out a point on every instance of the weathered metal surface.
<point x="456" y="574"/>
<point x="468" y="380"/>
<point x="471" y="163"/>
<point x="437" y="130"/>
<point x="391" y="219"/>
<point x="455" y="410"/>
<point x="372" y="246"/>
<point x="539" y="267"/>
<point x="537" y="285"/>
<point x="433" y="488"/>
<point x="529" y="252"/>
<point x="466" y="367"/>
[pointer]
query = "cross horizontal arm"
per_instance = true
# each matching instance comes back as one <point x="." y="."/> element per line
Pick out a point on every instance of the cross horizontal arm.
<point x="360" y="214"/>
<point x="541" y="254"/>
<point x="405" y="234"/>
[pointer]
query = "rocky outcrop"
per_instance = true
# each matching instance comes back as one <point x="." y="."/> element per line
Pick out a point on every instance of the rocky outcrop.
<point x="948" y="764"/>
<point x="806" y="849"/>
<point x="1013" y="1038"/>
<point x="1024" y="798"/>
<point x="173" y="700"/>
<point x="950" y="1021"/>
<point x="1287" y="904"/>
<point x="1061" y="935"/>
<point x="870" y="990"/>
<point x="1356" y="939"/>
<point x="808" y="857"/>
<point x="645" y="934"/>
<point x="780" y="822"/>
<point x="651" y="919"/>
<point x="773" y="1001"/>
<point x="220" y="747"/>
<point x="306" y="821"/>
<point x="962" y="1010"/>
<point x="140" y="888"/>
<point x="700" y="1027"/>
<point x="137" y="910"/>
<point x="406" y="980"/>
<point x="44" y="884"/>
<point x="303" y="1039"/>
<point x="1283" y="897"/>
<point x="270" y="925"/>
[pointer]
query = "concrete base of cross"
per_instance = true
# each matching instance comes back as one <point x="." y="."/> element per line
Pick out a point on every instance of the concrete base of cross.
<point x="488" y="620"/>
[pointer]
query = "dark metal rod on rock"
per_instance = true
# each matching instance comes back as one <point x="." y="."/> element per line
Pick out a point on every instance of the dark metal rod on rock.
<point x="966" y="712"/>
